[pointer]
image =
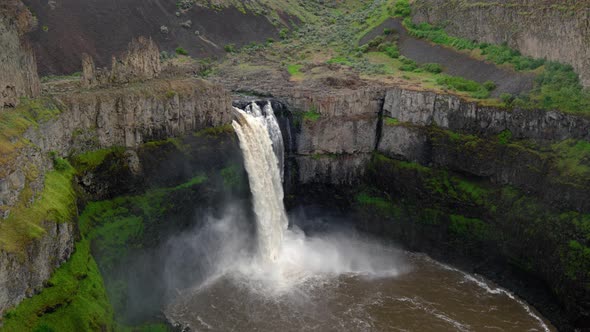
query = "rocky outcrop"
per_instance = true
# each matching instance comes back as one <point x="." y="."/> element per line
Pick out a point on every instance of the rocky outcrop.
<point x="140" y="63"/>
<point x="555" y="30"/>
<point x="22" y="275"/>
<point x="89" y="120"/>
<point x="441" y="158"/>
<point x="332" y="169"/>
<point x="335" y="132"/>
<point x="427" y="108"/>
<point x="18" y="77"/>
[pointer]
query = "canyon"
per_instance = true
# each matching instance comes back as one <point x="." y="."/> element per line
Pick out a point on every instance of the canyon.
<point x="495" y="190"/>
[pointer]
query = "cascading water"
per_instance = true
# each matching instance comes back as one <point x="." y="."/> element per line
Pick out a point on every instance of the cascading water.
<point x="332" y="281"/>
<point x="262" y="146"/>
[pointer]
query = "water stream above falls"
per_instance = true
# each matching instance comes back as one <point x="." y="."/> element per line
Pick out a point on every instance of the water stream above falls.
<point x="335" y="280"/>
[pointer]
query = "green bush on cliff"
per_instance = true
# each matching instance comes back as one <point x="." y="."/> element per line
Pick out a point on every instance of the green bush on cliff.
<point x="380" y="204"/>
<point x="434" y="68"/>
<point x="181" y="51"/>
<point x="469" y="227"/>
<point x="57" y="203"/>
<point x="475" y="89"/>
<point x="573" y="159"/>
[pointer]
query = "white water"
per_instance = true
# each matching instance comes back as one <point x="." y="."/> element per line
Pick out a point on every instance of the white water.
<point x="257" y="130"/>
<point x="332" y="282"/>
<point x="288" y="257"/>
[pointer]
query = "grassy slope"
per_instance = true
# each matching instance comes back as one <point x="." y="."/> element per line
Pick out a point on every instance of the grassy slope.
<point x="56" y="203"/>
<point x="76" y="298"/>
<point x="332" y="39"/>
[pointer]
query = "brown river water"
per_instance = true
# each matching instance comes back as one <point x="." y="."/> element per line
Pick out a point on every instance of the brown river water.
<point x="423" y="295"/>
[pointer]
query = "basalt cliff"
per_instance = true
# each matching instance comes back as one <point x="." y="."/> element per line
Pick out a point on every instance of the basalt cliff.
<point x="494" y="188"/>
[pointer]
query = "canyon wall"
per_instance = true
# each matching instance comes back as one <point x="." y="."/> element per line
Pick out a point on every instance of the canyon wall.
<point x="555" y="30"/>
<point x="18" y="77"/>
<point x="455" y="175"/>
<point x="86" y="121"/>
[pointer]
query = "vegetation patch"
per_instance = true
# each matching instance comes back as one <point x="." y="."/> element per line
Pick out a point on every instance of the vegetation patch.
<point x="233" y="178"/>
<point x="475" y="89"/>
<point x="57" y="203"/>
<point x="556" y="87"/>
<point x="573" y="159"/>
<point x="381" y="204"/>
<point x="215" y="131"/>
<point x="74" y="300"/>
<point x="92" y="159"/>
<point x="469" y="227"/>
<point x="181" y="51"/>
<point x="312" y="115"/>
<point x="391" y="121"/>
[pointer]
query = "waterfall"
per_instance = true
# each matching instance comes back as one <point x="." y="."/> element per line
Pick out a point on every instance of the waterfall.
<point x="262" y="146"/>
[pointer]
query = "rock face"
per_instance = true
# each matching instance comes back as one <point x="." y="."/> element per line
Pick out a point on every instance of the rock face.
<point x="354" y="138"/>
<point x="18" y="76"/>
<point x="450" y="112"/>
<point x="91" y="120"/>
<point x="554" y="30"/>
<point x="140" y="63"/>
<point x="23" y="275"/>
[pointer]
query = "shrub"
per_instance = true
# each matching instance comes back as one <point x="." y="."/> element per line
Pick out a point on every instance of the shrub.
<point x="506" y="98"/>
<point x="181" y="51"/>
<point x="489" y="85"/>
<point x="294" y="69"/>
<point x="387" y="31"/>
<point x="59" y="164"/>
<point x="390" y="49"/>
<point x="376" y="41"/>
<point x="230" y="48"/>
<point x="283" y="34"/>
<point x="475" y="89"/>
<point x="407" y="64"/>
<point x="505" y="137"/>
<point x="402" y="8"/>
<point x="170" y="94"/>
<point x="432" y="68"/>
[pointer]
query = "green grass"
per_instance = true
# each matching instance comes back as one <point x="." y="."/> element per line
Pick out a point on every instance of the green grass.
<point x="74" y="300"/>
<point x="402" y="8"/>
<point x="181" y="51"/>
<point x="381" y="204"/>
<point x="391" y="121"/>
<point x="434" y="68"/>
<point x="295" y="71"/>
<point x="29" y="114"/>
<point x="311" y="116"/>
<point x="573" y="159"/>
<point x="215" y="131"/>
<point x="57" y="203"/>
<point x="505" y="137"/>
<point x="341" y="60"/>
<point x="197" y="180"/>
<point x="92" y="159"/>
<point x="577" y="260"/>
<point x="471" y="228"/>
<point x="475" y="89"/>
<point x="556" y="87"/>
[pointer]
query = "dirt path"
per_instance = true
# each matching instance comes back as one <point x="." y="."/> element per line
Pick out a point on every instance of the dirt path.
<point x="455" y="63"/>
